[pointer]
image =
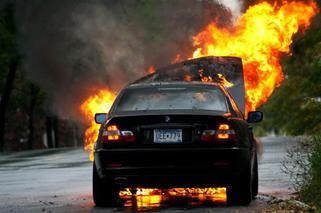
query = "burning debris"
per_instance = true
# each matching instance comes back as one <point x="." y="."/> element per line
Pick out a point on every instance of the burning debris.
<point x="260" y="36"/>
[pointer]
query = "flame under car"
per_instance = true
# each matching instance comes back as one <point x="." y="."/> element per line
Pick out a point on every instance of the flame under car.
<point x="176" y="134"/>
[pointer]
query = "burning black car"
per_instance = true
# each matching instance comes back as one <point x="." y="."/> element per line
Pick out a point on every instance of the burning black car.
<point x="182" y="126"/>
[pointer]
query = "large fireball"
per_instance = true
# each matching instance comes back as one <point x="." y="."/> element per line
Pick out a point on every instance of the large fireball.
<point x="259" y="37"/>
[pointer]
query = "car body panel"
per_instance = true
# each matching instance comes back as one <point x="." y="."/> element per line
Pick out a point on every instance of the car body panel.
<point x="172" y="167"/>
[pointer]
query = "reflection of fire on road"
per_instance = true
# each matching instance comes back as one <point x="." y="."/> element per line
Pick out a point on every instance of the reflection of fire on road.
<point x="151" y="198"/>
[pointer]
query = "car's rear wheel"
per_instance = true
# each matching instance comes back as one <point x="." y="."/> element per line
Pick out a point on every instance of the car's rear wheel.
<point x="104" y="193"/>
<point x="240" y="191"/>
<point x="255" y="183"/>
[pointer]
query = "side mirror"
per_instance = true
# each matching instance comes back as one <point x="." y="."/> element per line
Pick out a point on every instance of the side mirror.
<point x="100" y="117"/>
<point x="254" y="117"/>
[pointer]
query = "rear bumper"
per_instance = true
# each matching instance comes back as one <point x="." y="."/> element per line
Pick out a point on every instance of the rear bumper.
<point x="172" y="167"/>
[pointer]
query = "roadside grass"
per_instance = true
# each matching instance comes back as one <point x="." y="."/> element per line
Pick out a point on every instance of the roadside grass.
<point x="303" y="164"/>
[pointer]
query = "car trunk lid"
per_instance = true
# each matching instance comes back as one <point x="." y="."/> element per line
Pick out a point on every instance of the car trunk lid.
<point x="189" y="127"/>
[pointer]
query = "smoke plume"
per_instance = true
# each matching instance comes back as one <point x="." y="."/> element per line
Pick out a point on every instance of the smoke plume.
<point x="72" y="47"/>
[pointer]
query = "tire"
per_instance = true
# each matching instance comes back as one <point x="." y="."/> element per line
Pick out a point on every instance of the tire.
<point x="240" y="192"/>
<point x="104" y="193"/>
<point x="255" y="182"/>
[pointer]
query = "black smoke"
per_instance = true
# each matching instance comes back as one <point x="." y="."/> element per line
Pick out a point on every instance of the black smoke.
<point x="70" y="47"/>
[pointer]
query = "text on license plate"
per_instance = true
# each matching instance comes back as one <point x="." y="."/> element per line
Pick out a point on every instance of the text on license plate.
<point x="167" y="135"/>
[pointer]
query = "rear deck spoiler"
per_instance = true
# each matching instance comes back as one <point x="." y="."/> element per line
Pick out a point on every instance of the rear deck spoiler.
<point x="227" y="71"/>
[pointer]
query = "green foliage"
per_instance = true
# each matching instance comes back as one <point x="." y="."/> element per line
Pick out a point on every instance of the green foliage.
<point x="311" y="191"/>
<point x="295" y="107"/>
<point x="303" y="166"/>
<point x="18" y="106"/>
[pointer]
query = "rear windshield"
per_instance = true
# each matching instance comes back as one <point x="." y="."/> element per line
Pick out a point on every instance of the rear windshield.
<point x="172" y="98"/>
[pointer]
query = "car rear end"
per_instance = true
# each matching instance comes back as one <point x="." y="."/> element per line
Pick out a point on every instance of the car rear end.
<point x="149" y="141"/>
<point x="196" y="156"/>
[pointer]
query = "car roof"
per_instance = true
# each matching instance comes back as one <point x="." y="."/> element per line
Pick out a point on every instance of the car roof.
<point x="173" y="83"/>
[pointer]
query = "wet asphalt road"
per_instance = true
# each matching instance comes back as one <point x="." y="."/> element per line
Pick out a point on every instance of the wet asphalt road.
<point x="60" y="181"/>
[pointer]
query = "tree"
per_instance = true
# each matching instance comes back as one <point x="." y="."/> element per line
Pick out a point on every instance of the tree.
<point x="295" y="107"/>
<point x="34" y="94"/>
<point x="9" y="60"/>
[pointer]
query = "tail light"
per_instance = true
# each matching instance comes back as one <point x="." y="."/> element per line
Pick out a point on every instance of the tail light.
<point x="113" y="134"/>
<point x="224" y="132"/>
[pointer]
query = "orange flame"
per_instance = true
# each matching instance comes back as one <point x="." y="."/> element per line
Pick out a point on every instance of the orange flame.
<point x="177" y="59"/>
<point x="100" y="102"/>
<point x="259" y="37"/>
<point x="220" y="78"/>
<point x="151" y="70"/>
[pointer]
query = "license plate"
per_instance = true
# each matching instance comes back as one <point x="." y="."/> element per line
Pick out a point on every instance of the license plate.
<point x="168" y="136"/>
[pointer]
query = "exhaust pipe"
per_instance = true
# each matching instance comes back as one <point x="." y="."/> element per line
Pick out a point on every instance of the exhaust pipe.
<point x="120" y="180"/>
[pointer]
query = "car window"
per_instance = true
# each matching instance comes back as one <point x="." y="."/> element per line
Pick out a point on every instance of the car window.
<point x="179" y="98"/>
